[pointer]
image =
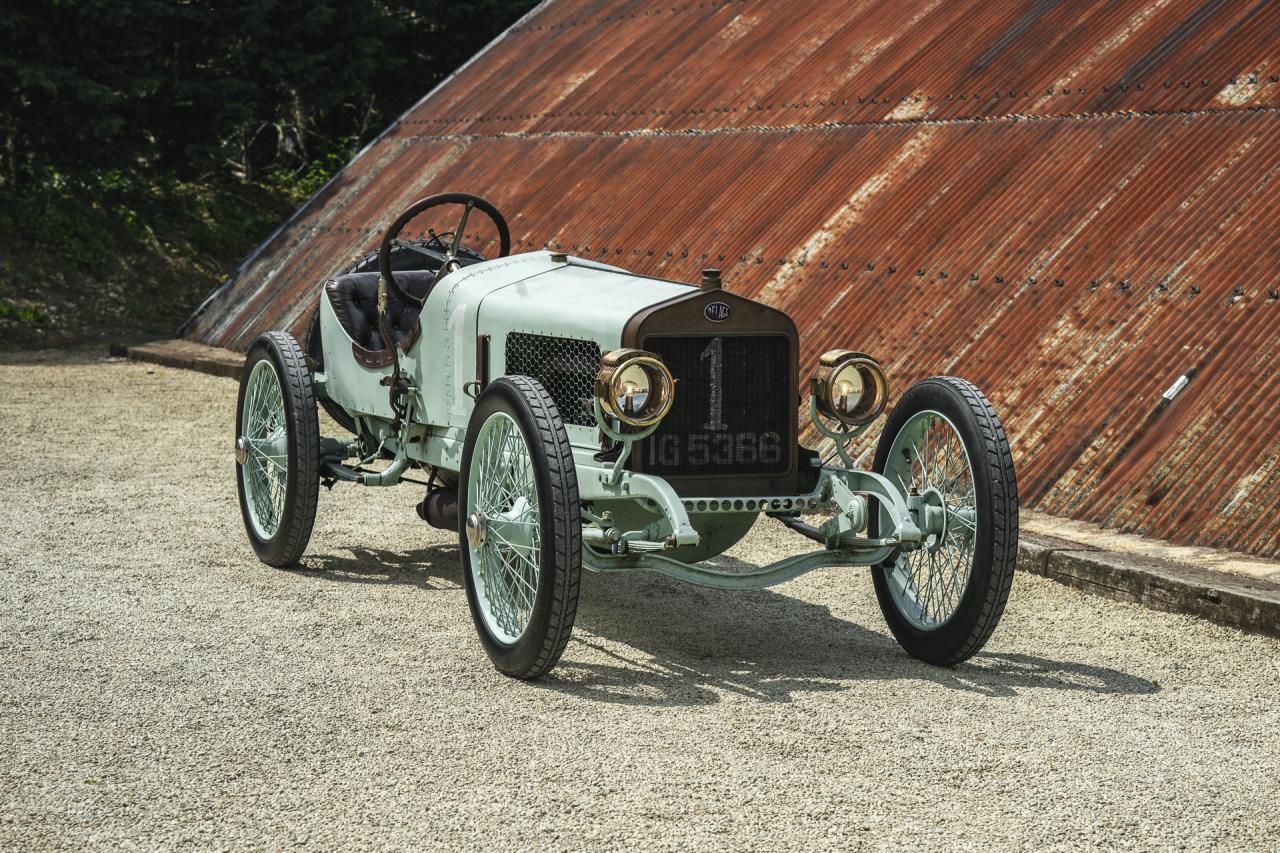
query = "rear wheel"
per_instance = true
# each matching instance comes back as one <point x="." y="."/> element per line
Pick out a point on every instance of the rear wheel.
<point x="521" y="527"/>
<point x="277" y="449"/>
<point x="945" y="444"/>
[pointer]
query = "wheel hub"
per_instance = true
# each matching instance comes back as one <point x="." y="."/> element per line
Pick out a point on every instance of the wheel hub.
<point x="274" y="448"/>
<point x="933" y="511"/>
<point x="477" y="526"/>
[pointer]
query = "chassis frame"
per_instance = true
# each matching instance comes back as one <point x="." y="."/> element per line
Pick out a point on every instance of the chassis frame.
<point x="851" y="492"/>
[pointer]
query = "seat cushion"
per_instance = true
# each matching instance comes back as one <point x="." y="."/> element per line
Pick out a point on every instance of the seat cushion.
<point x="354" y="298"/>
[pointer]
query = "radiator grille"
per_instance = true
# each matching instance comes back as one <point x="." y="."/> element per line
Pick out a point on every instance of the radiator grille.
<point x="733" y="412"/>
<point x="566" y="367"/>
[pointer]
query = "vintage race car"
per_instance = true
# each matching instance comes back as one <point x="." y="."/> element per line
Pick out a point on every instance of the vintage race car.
<point x="563" y="413"/>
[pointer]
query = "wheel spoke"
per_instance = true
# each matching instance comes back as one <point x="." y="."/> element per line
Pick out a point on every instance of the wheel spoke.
<point x="266" y="471"/>
<point x="502" y="489"/>
<point x="928" y="458"/>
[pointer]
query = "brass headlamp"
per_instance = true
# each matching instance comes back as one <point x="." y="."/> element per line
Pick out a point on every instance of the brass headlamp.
<point x="635" y="387"/>
<point x="850" y="387"/>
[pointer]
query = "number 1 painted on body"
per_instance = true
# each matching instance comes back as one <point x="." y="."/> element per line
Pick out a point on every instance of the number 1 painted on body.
<point x="715" y="354"/>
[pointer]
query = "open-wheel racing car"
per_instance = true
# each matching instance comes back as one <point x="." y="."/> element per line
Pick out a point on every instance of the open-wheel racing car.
<point x="564" y="413"/>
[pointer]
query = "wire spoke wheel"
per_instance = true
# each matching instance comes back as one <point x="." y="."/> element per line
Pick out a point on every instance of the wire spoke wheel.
<point x="928" y="459"/>
<point x="502" y="510"/>
<point x="277" y="449"/>
<point x="944" y="448"/>
<point x="266" y="470"/>
<point x="520" y="527"/>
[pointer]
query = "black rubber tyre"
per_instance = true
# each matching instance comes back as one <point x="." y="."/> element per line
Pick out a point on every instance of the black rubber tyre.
<point x="316" y="351"/>
<point x="550" y="623"/>
<point x="995" y="548"/>
<point x="286" y="544"/>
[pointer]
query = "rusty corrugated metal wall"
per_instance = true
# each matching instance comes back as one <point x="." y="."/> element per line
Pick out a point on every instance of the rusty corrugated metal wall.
<point x="1070" y="203"/>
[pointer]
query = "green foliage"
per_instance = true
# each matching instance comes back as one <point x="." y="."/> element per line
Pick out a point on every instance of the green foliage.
<point x="207" y="87"/>
<point x="110" y="257"/>
<point x="165" y="139"/>
<point x="22" y="313"/>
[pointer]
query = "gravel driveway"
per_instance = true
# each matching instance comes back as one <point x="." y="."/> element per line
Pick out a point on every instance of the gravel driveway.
<point x="161" y="687"/>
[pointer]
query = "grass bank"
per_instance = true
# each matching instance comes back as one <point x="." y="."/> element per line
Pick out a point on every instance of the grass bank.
<point x="89" y="261"/>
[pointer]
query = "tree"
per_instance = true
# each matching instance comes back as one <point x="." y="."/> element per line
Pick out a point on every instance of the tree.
<point x="197" y="88"/>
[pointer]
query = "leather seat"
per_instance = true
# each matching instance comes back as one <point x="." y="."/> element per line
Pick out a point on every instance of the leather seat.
<point x="354" y="298"/>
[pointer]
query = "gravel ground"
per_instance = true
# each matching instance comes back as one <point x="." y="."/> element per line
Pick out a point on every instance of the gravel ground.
<point x="161" y="687"/>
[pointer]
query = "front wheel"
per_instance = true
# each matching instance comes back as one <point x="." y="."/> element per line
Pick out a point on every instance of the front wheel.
<point x="277" y="449"/>
<point x="520" y="530"/>
<point x="945" y="447"/>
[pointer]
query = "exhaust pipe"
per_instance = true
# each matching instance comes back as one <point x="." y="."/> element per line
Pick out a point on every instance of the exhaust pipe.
<point x="440" y="509"/>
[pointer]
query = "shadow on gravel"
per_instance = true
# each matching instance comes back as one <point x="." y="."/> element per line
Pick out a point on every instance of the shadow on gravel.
<point x="688" y="646"/>
<point x="423" y="568"/>
<point x="649" y="640"/>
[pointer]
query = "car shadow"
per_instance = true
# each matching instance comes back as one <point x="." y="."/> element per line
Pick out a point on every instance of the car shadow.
<point x="431" y="567"/>
<point x="671" y="643"/>
<point x="655" y="641"/>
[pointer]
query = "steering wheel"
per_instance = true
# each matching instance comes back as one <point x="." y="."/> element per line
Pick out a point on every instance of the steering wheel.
<point x="451" y="256"/>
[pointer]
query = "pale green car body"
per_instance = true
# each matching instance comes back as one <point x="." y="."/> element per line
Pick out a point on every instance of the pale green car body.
<point x="551" y="294"/>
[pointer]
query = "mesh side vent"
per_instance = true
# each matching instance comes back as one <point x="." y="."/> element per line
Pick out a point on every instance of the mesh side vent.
<point x="566" y="367"/>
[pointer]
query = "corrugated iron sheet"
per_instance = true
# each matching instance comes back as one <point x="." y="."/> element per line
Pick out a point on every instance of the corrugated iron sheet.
<point x="1070" y="203"/>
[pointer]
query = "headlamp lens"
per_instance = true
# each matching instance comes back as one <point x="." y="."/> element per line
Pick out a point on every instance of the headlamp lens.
<point x="846" y="391"/>
<point x="632" y="389"/>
